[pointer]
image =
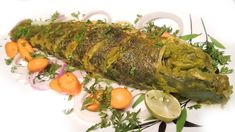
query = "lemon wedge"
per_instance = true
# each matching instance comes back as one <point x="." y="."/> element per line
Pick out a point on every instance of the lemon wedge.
<point x="162" y="106"/>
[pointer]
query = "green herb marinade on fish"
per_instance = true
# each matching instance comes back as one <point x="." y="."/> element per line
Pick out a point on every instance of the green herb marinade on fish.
<point x="132" y="57"/>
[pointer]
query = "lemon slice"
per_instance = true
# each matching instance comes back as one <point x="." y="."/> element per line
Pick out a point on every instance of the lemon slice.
<point x="161" y="105"/>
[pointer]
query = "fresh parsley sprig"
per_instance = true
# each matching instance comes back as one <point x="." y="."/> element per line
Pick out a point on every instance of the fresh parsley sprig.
<point x="105" y="122"/>
<point x="120" y="120"/>
<point x="218" y="58"/>
<point x="212" y="47"/>
<point x="155" y="31"/>
<point x="124" y="121"/>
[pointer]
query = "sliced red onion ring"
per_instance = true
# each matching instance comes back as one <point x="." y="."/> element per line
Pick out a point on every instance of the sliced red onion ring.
<point x="80" y="74"/>
<point x="17" y="60"/>
<point x="61" y="18"/>
<point x="19" y="65"/>
<point x="160" y="15"/>
<point x="97" y="12"/>
<point x="61" y="70"/>
<point x="44" y="84"/>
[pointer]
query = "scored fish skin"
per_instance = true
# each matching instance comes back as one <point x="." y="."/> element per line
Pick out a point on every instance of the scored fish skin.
<point x="131" y="57"/>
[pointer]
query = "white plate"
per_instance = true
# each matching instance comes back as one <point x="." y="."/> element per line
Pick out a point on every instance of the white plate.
<point x="27" y="110"/>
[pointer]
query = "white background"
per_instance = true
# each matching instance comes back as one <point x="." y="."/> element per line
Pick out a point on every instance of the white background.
<point x="24" y="109"/>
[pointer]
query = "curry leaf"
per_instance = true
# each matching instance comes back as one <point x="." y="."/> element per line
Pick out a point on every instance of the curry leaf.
<point x="216" y="43"/>
<point x="132" y="71"/>
<point x="189" y="36"/>
<point x="138" y="101"/>
<point x="181" y="120"/>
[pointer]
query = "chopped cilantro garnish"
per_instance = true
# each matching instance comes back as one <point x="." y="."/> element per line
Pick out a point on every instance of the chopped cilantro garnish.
<point x="21" y="32"/>
<point x="137" y="18"/>
<point x="8" y="61"/>
<point x="132" y="71"/>
<point x="38" y="55"/>
<point x="79" y="37"/>
<point x="51" y="69"/>
<point x="54" y="16"/>
<point x="70" y="68"/>
<point x="86" y="80"/>
<point x="76" y="15"/>
<point x="13" y="69"/>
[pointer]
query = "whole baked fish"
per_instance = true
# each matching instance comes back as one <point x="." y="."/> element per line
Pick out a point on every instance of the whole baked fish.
<point x="129" y="56"/>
